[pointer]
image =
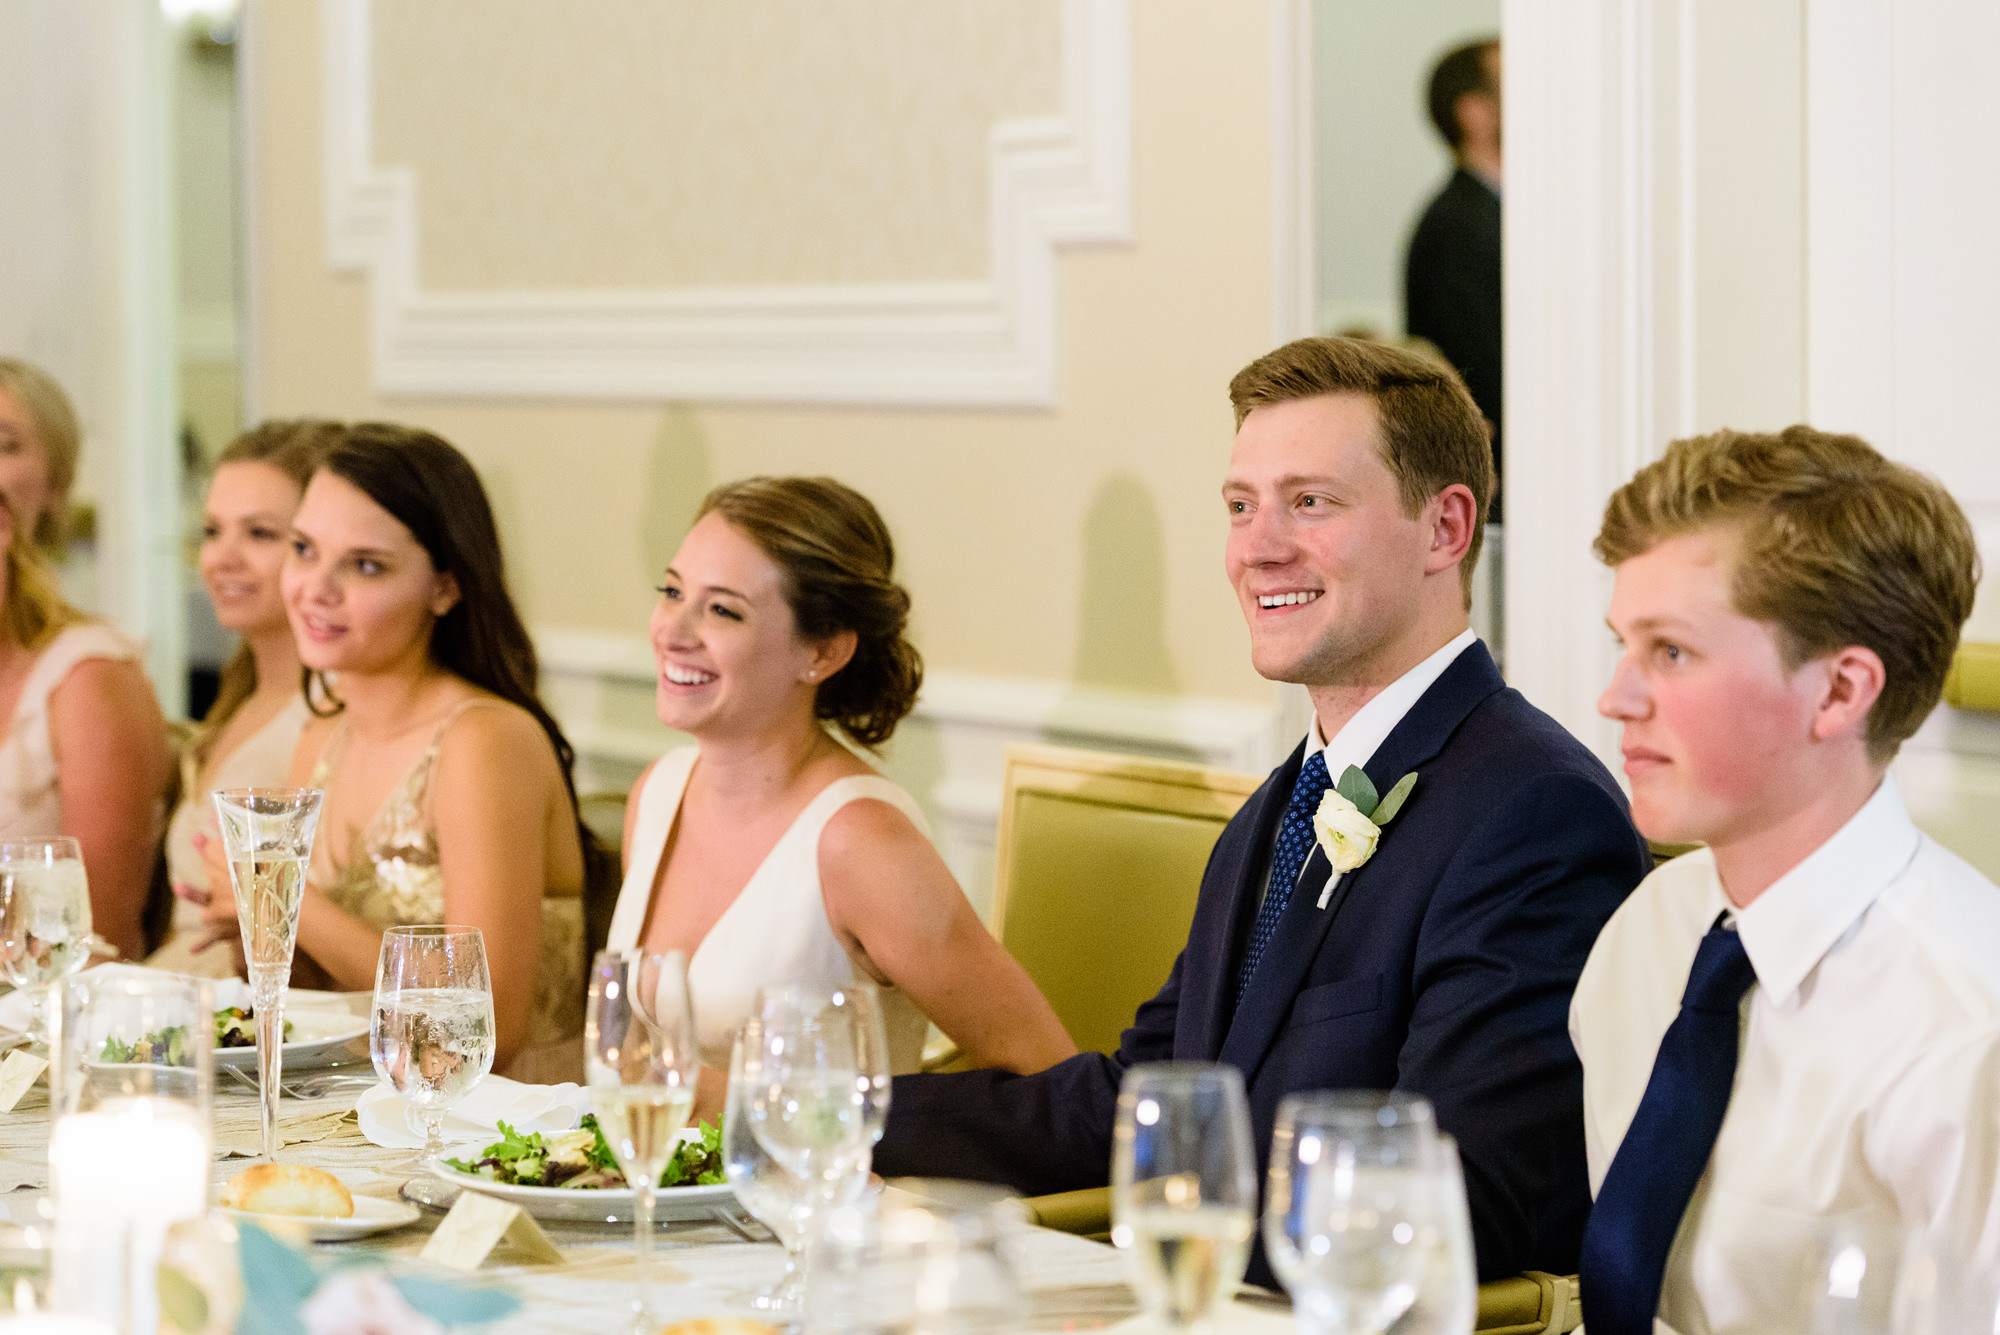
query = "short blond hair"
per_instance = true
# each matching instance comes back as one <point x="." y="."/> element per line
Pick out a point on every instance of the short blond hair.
<point x="54" y="416"/>
<point x="1838" y="546"/>
<point x="1432" y="433"/>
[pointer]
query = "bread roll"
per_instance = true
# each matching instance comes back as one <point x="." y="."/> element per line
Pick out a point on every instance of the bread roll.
<point x="282" y="1188"/>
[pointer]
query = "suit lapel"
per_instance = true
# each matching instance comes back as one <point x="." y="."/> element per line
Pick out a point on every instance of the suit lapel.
<point x="1224" y="941"/>
<point x="1302" y="928"/>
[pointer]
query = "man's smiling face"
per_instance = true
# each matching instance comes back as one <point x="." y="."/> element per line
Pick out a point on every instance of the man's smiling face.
<point x="1327" y="566"/>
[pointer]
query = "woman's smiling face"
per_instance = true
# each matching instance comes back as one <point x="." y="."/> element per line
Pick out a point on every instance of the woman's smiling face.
<point x="245" y="535"/>
<point x="726" y="644"/>
<point x="361" y="592"/>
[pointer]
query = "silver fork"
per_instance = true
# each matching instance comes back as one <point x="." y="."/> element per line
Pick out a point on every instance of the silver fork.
<point x="305" y="1087"/>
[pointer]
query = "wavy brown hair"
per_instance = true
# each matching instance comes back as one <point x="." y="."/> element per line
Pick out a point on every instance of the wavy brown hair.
<point x="838" y="563"/>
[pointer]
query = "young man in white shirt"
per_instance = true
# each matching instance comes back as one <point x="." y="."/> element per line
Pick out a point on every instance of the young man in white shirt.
<point x="1791" y="1037"/>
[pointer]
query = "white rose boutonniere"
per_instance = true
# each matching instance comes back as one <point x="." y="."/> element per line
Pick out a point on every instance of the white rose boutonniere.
<point x="1350" y="820"/>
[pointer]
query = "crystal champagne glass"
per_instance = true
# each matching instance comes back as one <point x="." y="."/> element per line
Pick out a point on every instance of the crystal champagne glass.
<point x="267" y="837"/>
<point x="641" y="1059"/>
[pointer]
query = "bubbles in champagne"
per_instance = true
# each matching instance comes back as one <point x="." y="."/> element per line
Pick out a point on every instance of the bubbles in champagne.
<point x="269" y="888"/>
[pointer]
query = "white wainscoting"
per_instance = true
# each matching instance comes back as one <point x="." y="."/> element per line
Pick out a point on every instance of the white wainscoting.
<point x="1055" y="181"/>
<point x="949" y="753"/>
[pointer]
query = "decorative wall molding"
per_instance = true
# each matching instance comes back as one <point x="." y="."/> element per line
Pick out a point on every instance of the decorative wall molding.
<point x="972" y="719"/>
<point x="1056" y="181"/>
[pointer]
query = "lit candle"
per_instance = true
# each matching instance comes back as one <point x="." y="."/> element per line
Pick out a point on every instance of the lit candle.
<point x="119" y="1175"/>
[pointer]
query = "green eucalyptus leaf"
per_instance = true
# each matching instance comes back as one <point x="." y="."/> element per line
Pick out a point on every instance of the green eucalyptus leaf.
<point x="183" y="1305"/>
<point x="1357" y="788"/>
<point x="1393" y="803"/>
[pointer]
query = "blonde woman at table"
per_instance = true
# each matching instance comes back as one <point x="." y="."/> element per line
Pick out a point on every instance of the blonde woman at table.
<point x="448" y="793"/>
<point x="85" y="749"/>
<point x="769" y="851"/>
<point x="250" y="732"/>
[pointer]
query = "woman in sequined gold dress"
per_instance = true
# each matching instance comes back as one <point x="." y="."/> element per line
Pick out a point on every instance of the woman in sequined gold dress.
<point x="448" y="790"/>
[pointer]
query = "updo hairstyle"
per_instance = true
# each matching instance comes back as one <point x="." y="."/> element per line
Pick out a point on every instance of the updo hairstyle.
<point x="836" y="557"/>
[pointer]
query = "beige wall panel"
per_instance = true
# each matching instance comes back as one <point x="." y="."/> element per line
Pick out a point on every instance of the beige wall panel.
<point x="843" y="141"/>
<point x="1079" y="545"/>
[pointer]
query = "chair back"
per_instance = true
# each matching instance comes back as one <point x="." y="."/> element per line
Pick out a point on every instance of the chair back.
<point x="1098" y="866"/>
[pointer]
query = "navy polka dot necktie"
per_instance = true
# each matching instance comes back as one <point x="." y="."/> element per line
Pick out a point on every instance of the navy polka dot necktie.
<point x="1653" y="1175"/>
<point x="1295" y="843"/>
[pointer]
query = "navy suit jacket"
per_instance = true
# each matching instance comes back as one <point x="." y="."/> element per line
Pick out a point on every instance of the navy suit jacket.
<point x="1443" y="966"/>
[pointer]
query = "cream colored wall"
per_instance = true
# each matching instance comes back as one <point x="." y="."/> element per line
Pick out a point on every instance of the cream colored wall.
<point x="1074" y="552"/>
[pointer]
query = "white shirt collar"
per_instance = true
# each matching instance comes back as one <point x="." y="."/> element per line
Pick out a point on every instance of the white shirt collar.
<point x="1358" y="738"/>
<point x="1789" y="928"/>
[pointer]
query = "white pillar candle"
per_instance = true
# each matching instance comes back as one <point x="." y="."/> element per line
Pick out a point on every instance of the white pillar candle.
<point x="53" y="1323"/>
<point x="119" y="1175"/>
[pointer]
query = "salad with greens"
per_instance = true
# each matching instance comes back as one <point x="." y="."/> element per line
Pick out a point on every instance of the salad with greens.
<point x="582" y="1158"/>
<point x="235" y="1027"/>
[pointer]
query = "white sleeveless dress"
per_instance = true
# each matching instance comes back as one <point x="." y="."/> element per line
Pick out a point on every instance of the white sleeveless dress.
<point x="30" y="801"/>
<point x="775" y="930"/>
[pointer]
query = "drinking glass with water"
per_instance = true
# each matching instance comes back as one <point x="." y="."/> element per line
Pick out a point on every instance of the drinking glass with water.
<point x="44" y="919"/>
<point x="431" y="1031"/>
<point x="1183" y="1186"/>
<point x="1363" y="1214"/>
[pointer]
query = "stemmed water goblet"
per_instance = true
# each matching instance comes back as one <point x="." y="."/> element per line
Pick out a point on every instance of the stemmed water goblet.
<point x="819" y="1094"/>
<point x="763" y="1186"/>
<point x="44" y="919"/>
<point x="1183" y="1186"/>
<point x="267" y="837"/>
<point x="641" y="1060"/>
<point x="1358" y="1211"/>
<point x="431" y="1031"/>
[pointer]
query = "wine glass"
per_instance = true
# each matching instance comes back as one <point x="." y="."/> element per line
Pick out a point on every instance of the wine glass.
<point x="820" y="1092"/>
<point x="936" y="1266"/>
<point x="641" y="1059"/>
<point x="131" y="1101"/>
<point x="1447" y="1301"/>
<point x="1183" y="1186"/>
<point x="1355" y="1207"/>
<point x="44" y="918"/>
<point x="431" y="1033"/>
<point x="762" y="1185"/>
<point x="267" y="837"/>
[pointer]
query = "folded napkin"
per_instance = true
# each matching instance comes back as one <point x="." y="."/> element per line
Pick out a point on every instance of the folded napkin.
<point x="390" y="1120"/>
<point x="14" y="1007"/>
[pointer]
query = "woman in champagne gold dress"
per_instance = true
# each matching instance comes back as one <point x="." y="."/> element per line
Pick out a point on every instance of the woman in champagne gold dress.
<point x="448" y="790"/>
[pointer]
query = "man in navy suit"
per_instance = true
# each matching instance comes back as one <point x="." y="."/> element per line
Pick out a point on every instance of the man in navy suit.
<point x="1444" y="963"/>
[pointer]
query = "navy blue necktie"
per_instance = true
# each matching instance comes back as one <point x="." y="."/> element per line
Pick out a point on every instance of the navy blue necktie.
<point x="1653" y="1175"/>
<point x="1295" y="842"/>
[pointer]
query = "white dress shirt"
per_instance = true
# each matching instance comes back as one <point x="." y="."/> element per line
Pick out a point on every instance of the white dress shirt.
<point x="1867" y="1093"/>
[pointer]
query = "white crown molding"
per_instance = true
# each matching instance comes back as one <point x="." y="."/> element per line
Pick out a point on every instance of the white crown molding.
<point x="1055" y="181"/>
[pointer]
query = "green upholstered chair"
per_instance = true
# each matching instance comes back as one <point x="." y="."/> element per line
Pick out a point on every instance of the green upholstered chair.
<point x="1096" y="872"/>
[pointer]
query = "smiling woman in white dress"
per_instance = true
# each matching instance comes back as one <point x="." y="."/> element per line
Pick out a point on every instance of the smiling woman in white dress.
<point x="769" y="852"/>
<point x="249" y="734"/>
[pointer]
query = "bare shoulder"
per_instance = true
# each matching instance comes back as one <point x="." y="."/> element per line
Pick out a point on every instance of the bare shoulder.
<point x="497" y="733"/>
<point x="866" y="832"/>
<point x="97" y="684"/>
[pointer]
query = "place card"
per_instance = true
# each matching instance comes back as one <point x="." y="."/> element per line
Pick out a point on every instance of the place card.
<point x="477" y="1224"/>
<point x="18" y="1074"/>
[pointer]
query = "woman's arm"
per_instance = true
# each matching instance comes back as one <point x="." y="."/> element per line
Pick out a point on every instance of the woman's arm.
<point x="500" y="808"/>
<point x="890" y="896"/>
<point x="112" y="767"/>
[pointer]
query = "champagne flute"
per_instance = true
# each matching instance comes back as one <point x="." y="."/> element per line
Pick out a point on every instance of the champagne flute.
<point x="1183" y="1186"/>
<point x="641" y="1059"/>
<point x="44" y="919"/>
<point x="1354" y="1207"/>
<point x="267" y="836"/>
<point x="763" y="1186"/>
<point x="431" y="1033"/>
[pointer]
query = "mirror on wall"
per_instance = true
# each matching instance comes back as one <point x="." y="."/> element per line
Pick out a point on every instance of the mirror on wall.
<point x="1407" y="225"/>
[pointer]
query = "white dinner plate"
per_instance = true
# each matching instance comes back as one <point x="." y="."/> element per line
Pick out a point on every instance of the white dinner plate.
<point x="319" y="1038"/>
<point x="371" y="1215"/>
<point x="602" y="1205"/>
